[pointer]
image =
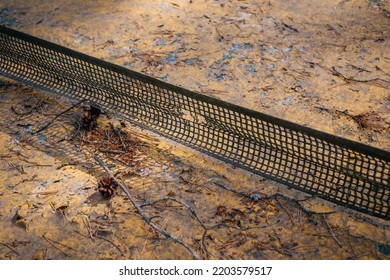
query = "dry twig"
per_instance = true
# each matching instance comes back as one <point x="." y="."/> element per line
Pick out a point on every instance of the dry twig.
<point x="142" y="213"/>
<point x="66" y="246"/>
<point x="256" y="197"/>
<point x="331" y="232"/>
<point x="374" y="82"/>
<point x="112" y="243"/>
<point x="206" y="228"/>
<point x="9" y="247"/>
<point x="52" y="244"/>
<point x="118" y="133"/>
<point x="287" y="211"/>
<point x="57" y="116"/>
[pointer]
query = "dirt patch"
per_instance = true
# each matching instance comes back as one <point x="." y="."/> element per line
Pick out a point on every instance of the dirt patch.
<point x="51" y="206"/>
<point x="323" y="66"/>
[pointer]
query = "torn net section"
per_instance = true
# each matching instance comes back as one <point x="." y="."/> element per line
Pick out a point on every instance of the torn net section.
<point x="336" y="169"/>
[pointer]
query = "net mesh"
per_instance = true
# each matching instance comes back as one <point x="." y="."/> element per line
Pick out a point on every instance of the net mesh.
<point x="336" y="169"/>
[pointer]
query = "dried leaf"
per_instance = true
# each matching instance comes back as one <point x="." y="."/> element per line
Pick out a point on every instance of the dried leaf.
<point x="239" y="212"/>
<point x="221" y="211"/>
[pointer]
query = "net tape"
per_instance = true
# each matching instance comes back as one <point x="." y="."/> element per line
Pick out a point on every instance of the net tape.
<point x="339" y="170"/>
